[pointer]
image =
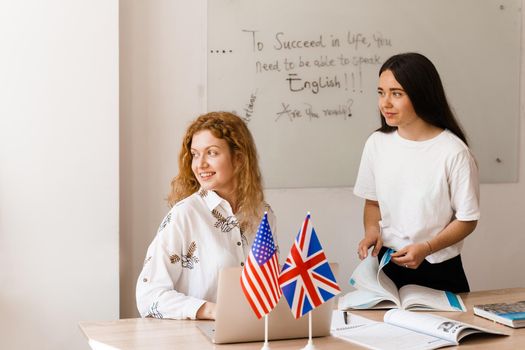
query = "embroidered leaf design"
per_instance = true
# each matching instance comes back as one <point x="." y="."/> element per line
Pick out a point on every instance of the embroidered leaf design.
<point x="174" y="258"/>
<point x="217" y="215"/>
<point x="203" y="193"/>
<point x="147" y="259"/>
<point x="154" y="312"/>
<point x="189" y="262"/>
<point x="166" y="221"/>
<point x="244" y="240"/>
<point x="225" y="224"/>
<point x="191" y="249"/>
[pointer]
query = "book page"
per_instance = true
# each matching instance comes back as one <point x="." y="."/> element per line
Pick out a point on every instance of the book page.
<point x="416" y="297"/>
<point x="434" y="325"/>
<point x="344" y="320"/>
<point x="365" y="277"/>
<point x="364" y="299"/>
<point x="379" y="335"/>
<point x="384" y="281"/>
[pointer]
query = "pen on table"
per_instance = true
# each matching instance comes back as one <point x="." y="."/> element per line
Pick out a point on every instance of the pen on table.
<point x="345" y="317"/>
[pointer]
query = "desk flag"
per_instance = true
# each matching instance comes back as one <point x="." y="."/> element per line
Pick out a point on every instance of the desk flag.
<point x="306" y="279"/>
<point x="259" y="278"/>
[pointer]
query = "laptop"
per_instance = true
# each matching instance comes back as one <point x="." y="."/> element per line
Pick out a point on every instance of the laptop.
<point x="236" y="322"/>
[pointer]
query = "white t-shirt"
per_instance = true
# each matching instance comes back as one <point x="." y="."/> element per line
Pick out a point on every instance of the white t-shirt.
<point x="197" y="238"/>
<point x="421" y="186"/>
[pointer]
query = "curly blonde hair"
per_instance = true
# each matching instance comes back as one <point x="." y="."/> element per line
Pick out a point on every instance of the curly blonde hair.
<point x="249" y="192"/>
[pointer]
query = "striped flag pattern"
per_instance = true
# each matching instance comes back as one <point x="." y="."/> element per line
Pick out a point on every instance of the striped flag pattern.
<point x="259" y="277"/>
<point x="306" y="279"/>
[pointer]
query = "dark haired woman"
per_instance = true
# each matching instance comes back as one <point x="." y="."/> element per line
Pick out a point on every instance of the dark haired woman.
<point x="418" y="178"/>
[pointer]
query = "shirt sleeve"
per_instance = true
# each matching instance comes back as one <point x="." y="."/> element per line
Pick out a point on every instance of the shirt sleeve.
<point x="155" y="293"/>
<point x="365" y="186"/>
<point x="464" y="187"/>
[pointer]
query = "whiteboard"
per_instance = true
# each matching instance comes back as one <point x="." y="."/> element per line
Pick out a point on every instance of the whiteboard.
<point x="303" y="75"/>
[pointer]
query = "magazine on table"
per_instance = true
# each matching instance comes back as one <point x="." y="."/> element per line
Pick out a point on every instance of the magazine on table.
<point x="375" y="290"/>
<point x="403" y="329"/>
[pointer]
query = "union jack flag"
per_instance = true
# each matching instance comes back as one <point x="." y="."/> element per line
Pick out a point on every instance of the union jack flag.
<point x="306" y="279"/>
<point x="259" y="278"/>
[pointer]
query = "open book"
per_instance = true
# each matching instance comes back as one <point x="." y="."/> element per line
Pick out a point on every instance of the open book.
<point x="403" y="330"/>
<point x="374" y="290"/>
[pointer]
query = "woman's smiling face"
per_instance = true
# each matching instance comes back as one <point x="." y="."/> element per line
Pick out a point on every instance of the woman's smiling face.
<point x="212" y="163"/>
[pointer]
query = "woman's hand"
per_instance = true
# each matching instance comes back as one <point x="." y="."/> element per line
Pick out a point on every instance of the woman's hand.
<point x="372" y="238"/>
<point x="411" y="256"/>
<point x="371" y="218"/>
<point x="206" y="311"/>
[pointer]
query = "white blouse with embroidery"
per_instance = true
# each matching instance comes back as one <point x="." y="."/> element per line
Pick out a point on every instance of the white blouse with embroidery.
<point x="197" y="238"/>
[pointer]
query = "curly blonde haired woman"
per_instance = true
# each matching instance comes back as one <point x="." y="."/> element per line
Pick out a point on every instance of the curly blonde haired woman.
<point x="217" y="201"/>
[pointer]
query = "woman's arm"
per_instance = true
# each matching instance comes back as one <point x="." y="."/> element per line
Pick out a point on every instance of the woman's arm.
<point x="413" y="255"/>
<point x="371" y="218"/>
<point x="155" y="291"/>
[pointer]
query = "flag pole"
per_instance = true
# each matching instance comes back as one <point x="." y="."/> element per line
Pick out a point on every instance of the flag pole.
<point x="310" y="345"/>
<point x="266" y="345"/>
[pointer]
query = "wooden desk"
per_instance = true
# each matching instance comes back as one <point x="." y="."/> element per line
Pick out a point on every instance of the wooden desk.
<point x="157" y="334"/>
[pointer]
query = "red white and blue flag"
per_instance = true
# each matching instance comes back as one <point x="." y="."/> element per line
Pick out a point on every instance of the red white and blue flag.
<point x="306" y="279"/>
<point x="259" y="278"/>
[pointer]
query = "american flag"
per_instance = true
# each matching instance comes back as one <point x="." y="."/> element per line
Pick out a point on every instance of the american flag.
<point x="259" y="278"/>
<point x="306" y="279"/>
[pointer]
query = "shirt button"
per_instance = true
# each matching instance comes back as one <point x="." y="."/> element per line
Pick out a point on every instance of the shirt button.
<point x="238" y="243"/>
<point x="144" y="280"/>
<point x="242" y="264"/>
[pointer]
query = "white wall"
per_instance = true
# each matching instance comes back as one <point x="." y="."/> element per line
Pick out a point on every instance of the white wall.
<point x="58" y="170"/>
<point x="161" y="80"/>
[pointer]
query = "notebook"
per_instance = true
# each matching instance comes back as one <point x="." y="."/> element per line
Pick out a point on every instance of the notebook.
<point x="235" y="321"/>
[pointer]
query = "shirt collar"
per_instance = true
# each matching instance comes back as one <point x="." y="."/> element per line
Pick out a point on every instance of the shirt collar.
<point x="212" y="199"/>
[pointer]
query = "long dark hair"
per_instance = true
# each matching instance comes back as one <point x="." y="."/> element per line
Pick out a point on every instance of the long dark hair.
<point x="420" y="80"/>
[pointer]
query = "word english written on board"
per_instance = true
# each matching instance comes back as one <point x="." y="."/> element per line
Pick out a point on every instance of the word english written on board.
<point x="310" y="68"/>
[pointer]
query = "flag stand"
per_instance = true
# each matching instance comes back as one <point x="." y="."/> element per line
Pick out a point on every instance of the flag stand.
<point x="261" y="265"/>
<point x="266" y="345"/>
<point x="305" y="263"/>
<point x="310" y="345"/>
